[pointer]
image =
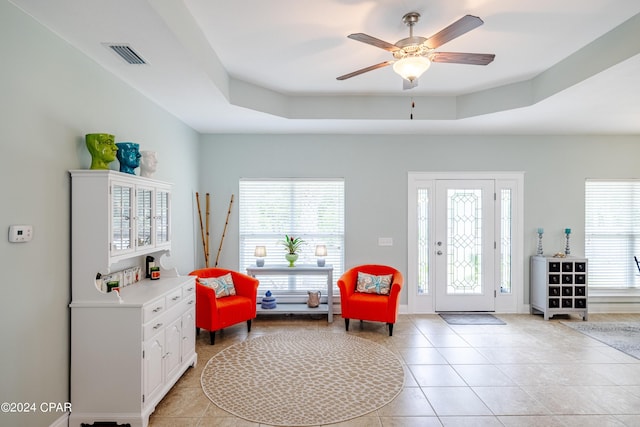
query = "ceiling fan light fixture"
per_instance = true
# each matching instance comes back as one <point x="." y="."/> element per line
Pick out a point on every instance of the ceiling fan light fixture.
<point x="411" y="67"/>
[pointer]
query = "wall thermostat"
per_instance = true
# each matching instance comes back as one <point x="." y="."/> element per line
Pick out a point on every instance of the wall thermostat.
<point x="20" y="233"/>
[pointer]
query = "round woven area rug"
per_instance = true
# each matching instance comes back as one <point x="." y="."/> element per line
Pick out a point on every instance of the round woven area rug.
<point x="303" y="379"/>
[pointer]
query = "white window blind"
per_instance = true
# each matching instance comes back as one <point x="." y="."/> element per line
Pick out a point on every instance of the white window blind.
<point x="612" y="232"/>
<point x="312" y="209"/>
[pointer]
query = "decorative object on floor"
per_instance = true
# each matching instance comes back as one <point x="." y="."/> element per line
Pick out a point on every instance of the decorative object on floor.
<point x="204" y="235"/>
<point x="214" y="315"/>
<point x="303" y="379"/>
<point x="313" y="299"/>
<point x="260" y="253"/>
<point x="374" y="307"/>
<point x="321" y="252"/>
<point x="224" y="231"/>
<point x="540" y="233"/>
<point x="148" y="163"/>
<point x="128" y="156"/>
<point x="623" y="336"/>
<point x="567" y="232"/>
<point x="268" y="301"/>
<point x="102" y="148"/>
<point x="471" y="319"/>
<point x="292" y="245"/>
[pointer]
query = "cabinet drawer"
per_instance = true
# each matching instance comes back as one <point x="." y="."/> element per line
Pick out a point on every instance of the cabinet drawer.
<point x="156" y="325"/>
<point x="187" y="303"/>
<point x="174" y="297"/>
<point x="153" y="309"/>
<point x="189" y="289"/>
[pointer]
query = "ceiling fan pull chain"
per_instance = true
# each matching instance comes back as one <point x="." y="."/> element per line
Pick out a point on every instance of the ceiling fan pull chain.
<point x="413" y="105"/>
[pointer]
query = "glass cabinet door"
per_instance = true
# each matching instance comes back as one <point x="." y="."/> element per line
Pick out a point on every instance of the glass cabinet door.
<point x="121" y="218"/>
<point x="144" y="217"/>
<point x="162" y="219"/>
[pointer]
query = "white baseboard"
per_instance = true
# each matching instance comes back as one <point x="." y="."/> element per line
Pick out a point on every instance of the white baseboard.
<point x="612" y="307"/>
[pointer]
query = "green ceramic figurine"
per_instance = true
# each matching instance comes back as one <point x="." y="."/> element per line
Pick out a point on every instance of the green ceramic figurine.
<point x="102" y="148"/>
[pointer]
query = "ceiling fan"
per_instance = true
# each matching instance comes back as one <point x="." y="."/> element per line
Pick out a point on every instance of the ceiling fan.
<point x="414" y="54"/>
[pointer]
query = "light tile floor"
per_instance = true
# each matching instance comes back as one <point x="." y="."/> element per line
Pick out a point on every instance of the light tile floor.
<point x="529" y="372"/>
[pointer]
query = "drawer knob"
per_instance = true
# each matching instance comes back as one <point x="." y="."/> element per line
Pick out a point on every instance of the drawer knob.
<point x="157" y="326"/>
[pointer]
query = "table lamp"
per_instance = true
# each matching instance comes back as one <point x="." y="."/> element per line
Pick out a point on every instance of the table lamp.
<point x="321" y="252"/>
<point x="260" y="253"/>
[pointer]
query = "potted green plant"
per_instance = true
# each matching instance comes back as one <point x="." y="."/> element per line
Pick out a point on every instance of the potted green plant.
<point x="292" y="245"/>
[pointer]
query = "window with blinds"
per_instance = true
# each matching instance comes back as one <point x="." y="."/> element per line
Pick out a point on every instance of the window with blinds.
<point x="612" y="232"/>
<point x="312" y="209"/>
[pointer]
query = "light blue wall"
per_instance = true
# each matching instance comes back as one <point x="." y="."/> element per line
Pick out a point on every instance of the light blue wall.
<point x="50" y="97"/>
<point x="375" y="169"/>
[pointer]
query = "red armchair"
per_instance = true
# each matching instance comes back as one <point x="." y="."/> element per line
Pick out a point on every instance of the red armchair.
<point x="370" y="306"/>
<point x="213" y="313"/>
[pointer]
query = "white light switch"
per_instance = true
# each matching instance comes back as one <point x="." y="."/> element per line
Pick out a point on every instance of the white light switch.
<point x="385" y="241"/>
<point x="20" y="233"/>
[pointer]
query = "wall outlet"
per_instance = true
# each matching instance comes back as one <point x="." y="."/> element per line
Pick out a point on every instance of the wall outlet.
<point x="20" y="233"/>
<point x="385" y="241"/>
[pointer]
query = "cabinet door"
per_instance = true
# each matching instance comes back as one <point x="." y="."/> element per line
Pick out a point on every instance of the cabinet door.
<point x="188" y="333"/>
<point x="162" y="217"/>
<point x="173" y="341"/>
<point x="153" y="366"/>
<point x="121" y="218"/>
<point x="144" y="216"/>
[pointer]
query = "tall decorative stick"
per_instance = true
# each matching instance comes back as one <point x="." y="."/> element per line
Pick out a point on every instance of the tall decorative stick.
<point x="204" y="244"/>
<point x="206" y="247"/>
<point x="224" y="231"/>
<point x="567" y="232"/>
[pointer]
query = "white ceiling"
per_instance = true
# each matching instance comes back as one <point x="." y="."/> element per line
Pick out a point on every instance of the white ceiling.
<point x="257" y="66"/>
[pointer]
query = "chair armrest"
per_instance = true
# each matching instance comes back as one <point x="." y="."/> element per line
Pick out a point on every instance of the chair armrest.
<point x="394" y="295"/>
<point x="206" y="307"/>
<point x="205" y="296"/>
<point x="245" y="285"/>
<point x="347" y="283"/>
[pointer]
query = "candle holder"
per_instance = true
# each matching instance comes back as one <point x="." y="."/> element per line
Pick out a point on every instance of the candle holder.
<point x="540" y="232"/>
<point x="539" y="244"/>
<point x="567" y="233"/>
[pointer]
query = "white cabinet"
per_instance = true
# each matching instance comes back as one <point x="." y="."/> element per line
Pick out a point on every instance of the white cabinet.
<point x="127" y="350"/>
<point x="139" y="215"/>
<point x="559" y="286"/>
<point x="126" y="356"/>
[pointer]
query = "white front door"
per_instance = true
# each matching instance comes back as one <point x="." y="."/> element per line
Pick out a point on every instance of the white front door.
<point x="464" y="245"/>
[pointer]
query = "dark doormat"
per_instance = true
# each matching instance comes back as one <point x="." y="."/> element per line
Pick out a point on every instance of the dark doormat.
<point x="471" y="319"/>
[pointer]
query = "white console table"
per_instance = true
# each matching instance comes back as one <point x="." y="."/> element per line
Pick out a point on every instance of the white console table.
<point x="299" y="270"/>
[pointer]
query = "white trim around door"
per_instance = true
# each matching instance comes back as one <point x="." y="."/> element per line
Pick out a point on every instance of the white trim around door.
<point x="505" y="270"/>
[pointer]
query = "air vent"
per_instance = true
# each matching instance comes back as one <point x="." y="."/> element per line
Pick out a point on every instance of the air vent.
<point x="127" y="53"/>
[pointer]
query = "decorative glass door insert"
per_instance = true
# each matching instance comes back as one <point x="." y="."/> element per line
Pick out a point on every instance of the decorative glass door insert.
<point x="464" y="249"/>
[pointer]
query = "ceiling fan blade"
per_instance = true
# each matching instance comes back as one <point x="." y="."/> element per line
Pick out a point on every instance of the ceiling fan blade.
<point x="364" y="70"/>
<point x="458" y="28"/>
<point x="364" y="38"/>
<point x="463" y="58"/>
